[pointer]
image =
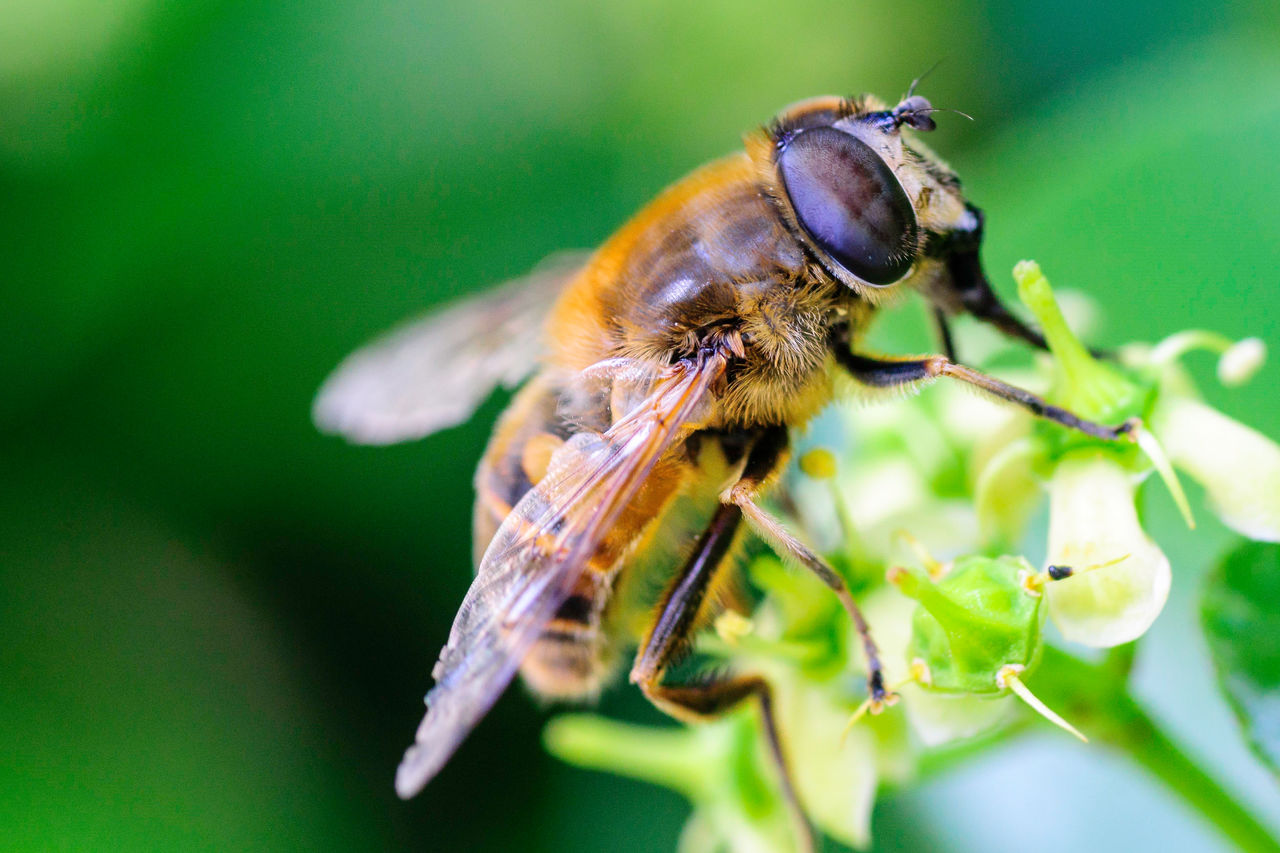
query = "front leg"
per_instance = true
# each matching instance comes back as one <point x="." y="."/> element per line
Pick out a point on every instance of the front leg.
<point x="964" y="287"/>
<point x="971" y="288"/>
<point x="894" y="373"/>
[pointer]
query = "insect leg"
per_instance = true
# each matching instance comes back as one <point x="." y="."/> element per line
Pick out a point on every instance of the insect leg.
<point x="965" y="287"/>
<point x="889" y="373"/>
<point x="696" y="702"/>
<point x="765" y="460"/>
<point x="943" y="327"/>
<point x="683" y="599"/>
<point x="669" y="636"/>
<point x="970" y="286"/>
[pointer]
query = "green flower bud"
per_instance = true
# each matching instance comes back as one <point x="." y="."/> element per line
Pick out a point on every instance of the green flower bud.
<point x="977" y="632"/>
<point x="979" y="619"/>
<point x="1084" y="385"/>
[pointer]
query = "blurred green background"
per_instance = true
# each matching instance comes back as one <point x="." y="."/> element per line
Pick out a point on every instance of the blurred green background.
<point x="216" y="625"/>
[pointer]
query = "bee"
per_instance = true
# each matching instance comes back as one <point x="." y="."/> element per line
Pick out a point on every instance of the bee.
<point x="673" y="362"/>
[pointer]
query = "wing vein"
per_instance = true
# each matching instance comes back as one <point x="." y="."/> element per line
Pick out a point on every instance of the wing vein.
<point x="529" y="568"/>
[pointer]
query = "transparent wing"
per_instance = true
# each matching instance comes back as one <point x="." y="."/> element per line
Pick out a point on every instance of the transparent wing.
<point x="538" y="554"/>
<point x="433" y="372"/>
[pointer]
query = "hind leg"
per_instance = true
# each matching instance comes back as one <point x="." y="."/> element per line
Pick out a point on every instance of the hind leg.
<point x="669" y="636"/>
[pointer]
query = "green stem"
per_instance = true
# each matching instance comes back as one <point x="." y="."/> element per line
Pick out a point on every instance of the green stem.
<point x="1119" y="660"/>
<point x="1096" y="697"/>
<point x="675" y="758"/>
<point x="1153" y="749"/>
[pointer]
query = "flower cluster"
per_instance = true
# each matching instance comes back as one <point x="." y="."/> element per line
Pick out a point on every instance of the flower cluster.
<point x="923" y="505"/>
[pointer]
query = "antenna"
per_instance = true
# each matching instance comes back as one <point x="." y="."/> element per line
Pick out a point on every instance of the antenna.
<point x="916" y="82"/>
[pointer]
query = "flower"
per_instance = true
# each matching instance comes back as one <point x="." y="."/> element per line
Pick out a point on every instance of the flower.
<point x="719" y="767"/>
<point x="1121" y="578"/>
<point x="972" y="622"/>
<point x="800" y="643"/>
<point x="976" y="634"/>
<point x="1092" y="484"/>
<point x="1092" y="521"/>
<point x="1238" y="466"/>
<point x="935" y="718"/>
<point x="961" y="640"/>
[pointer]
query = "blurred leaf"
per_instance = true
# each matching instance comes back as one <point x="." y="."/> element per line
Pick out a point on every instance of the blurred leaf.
<point x="1124" y="190"/>
<point x="1241" y="617"/>
<point x="148" y="702"/>
<point x="48" y="37"/>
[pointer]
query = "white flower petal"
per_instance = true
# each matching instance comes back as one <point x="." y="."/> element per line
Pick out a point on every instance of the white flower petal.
<point x="836" y="782"/>
<point x="1007" y="492"/>
<point x="939" y="718"/>
<point x="1238" y="466"/>
<point x="721" y="826"/>
<point x="883" y="489"/>
<point x="1092" y="520"/>
<point x="1241" y="361"/>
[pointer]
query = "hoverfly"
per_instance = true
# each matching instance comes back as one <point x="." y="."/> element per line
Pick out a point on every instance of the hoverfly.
<point x="675" y="357"/>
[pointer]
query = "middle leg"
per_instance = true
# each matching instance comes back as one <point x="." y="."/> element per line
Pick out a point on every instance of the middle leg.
<point x="763" y="464"/>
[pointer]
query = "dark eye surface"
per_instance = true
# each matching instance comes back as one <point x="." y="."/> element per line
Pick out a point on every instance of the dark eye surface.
<point x="849" y="202"/>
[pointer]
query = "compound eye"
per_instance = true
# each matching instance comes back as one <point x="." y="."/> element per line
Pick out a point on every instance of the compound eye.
<point x="850" y="204"/>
